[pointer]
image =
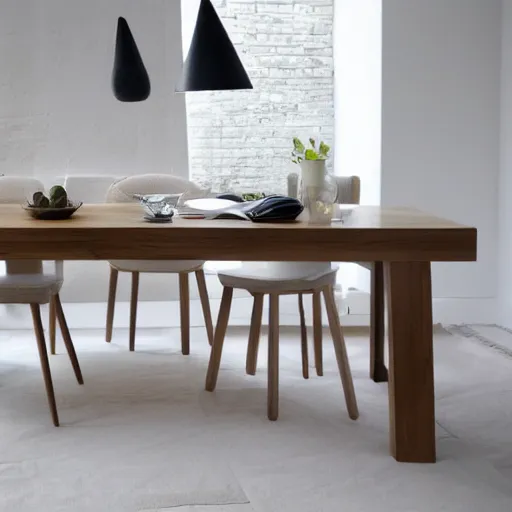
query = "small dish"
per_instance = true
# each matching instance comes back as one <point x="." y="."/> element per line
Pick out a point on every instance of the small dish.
<point x="52" y="213"/>
<point x="158" y="219"/>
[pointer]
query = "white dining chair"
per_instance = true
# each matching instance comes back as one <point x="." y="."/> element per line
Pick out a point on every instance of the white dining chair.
<point x="287" y="278"/>
<point x="349" y="192"/>
<point x="33" y="282"/>
<point x="122" y="191"/>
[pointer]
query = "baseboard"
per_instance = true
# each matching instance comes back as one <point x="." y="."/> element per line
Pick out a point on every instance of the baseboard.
<point x="465" y="311"/>
<point x="167" y="314"/>
<point x="154" y="314"/>
<point x="445" y="311"/>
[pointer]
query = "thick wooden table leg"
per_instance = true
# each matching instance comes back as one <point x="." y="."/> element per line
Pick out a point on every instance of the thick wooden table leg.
<point x="378" y="370"/>
<point x="411" y="369"/>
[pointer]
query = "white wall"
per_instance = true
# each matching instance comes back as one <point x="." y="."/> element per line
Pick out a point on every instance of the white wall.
<point x="57" y="112"/>
<point x="357" y="93"/>
<point x="440" y="90"/>
<point x="59" y="117"/>
<point x="505" y="184"/>
<point x="441" y="129"/>
<point x="358" y="104"/>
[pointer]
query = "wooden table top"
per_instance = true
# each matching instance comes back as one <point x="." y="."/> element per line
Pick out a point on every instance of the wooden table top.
<point x="117" y="231"/>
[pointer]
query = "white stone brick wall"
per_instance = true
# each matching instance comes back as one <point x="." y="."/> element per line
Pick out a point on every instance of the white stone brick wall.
<point x="242" y="140"/>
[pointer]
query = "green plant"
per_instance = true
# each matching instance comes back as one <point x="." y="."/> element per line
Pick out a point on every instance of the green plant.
<point x="252" y="196"/>
<point x="300" y="152"/>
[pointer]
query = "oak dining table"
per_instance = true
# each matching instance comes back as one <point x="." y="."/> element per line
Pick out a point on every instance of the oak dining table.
<point x="403" y="241"/>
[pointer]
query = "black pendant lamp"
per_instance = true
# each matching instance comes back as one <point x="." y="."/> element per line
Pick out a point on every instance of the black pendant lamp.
<point x="212" y="63"/>
<point x="130" y="80"/>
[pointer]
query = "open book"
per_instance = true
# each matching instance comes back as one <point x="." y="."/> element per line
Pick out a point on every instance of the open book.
<point x="212" y="208"/>
<point x="268" y="209"/>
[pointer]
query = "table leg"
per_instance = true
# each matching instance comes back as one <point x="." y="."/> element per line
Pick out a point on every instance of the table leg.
<point x="378" y="370"/>
<point x="411" y="370"/>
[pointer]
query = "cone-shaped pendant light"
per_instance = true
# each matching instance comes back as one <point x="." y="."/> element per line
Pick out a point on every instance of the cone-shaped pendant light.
<point x="212" y="63"/>
<point x="130" y="80"/>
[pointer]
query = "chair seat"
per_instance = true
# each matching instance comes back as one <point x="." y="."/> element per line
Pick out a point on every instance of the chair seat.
<point x="269" y="277"/>
<point x="28" y="288"/>
<point x="157" y="266"/>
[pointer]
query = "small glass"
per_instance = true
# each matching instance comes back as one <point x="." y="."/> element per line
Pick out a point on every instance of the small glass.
<point x="317" y="192"/>
<point x="159" y="205"/>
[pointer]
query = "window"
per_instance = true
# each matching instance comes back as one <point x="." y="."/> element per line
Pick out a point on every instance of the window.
<point x="305" y="83"/>
<point x="241" y="140"/>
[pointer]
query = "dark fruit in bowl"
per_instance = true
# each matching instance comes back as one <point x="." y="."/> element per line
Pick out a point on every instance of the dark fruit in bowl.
<point x="40" y="200"/>
<point x="58" y="197"/>
<point x="56" y="206"/>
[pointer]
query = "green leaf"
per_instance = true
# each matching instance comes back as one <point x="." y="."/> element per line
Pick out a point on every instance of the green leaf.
<point x="311" y="155"/>
<point x="312" y="142"/>
<point x="252" y="196"/>
<point x="299" y="147"/>
<point x="324" y="149"/>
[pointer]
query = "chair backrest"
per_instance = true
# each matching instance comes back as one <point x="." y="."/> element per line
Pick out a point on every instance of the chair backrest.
<point x="18" y="190"/>
<point x="349" y="192"/>
<point x="349" y="188"/>
<point x="122" y="190"/>
<point x="89" y="189"/>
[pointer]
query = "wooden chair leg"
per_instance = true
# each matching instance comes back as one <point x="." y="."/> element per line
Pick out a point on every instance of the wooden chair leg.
<point x="185" y="314"/>
<point x="273" y="359"/>
<point x="341" y="352"/>
<point x="378" y="370"/>
<point x="45" y="365"/>
<point x="52" y="326"/>
<point x="251" y="362"/>
<point x="205" y="304"/>
<point x="317" y="333"/>
<point x="303" y="338"/>
<point x="68" y="342"/>
<point x="133" y="309"/>
<point x="218" y="342"/>
<point x="112" y="288"/>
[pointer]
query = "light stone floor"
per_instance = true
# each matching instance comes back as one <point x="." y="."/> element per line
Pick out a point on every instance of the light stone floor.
<point x="143" y="435"/>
